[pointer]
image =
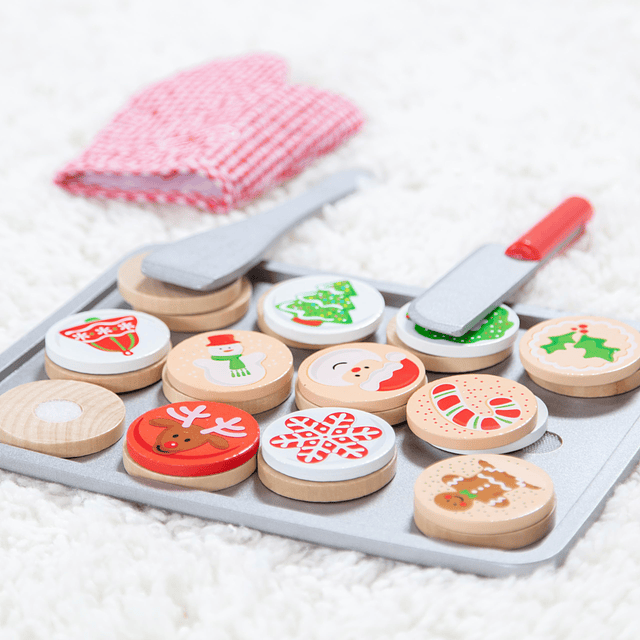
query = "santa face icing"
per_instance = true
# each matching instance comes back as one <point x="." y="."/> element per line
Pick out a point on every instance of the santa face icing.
<point x="365" y="369"/>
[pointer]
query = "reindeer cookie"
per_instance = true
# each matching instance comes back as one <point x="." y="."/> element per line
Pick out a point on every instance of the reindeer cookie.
<point x="246" y="369"/>
<point x="484" y="499"/>
<point x="320" y="310"/>
<point x="472" y="412"/>
<point x="582" y="356"/>
<point x="204" y="445"/>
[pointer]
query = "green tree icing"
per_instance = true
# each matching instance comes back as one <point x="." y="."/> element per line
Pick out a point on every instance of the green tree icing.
<point x="331" y="302"/>
<point x="494" y="326"/>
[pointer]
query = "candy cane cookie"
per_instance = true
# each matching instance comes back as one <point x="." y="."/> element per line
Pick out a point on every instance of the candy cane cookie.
<point x="472" y="412"/>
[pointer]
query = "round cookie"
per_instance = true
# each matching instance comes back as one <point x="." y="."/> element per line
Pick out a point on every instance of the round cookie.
<point x="368" y="376"/>
<point x="156" y="297"/>
<point x="484" y="495"/>
<point x="107" y="341"/>
<point x="582" y="355"/>
<point x="472" y="412"/>
<point x="63" y="418"/>
<point x="322" y="310"/>
<point x="206" y="445"/>
<point x="234" y="367"/>
<point x="495" y="334"/>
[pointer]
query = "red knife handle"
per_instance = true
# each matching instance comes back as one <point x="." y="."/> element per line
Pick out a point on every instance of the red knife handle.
<point x="552" y="231"/>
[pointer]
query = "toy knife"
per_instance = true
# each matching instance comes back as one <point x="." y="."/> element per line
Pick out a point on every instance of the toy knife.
<point x="213" y="259"/>
<point x="476" y="286"/>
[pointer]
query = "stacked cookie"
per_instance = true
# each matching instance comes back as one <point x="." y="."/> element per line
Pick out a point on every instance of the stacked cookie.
<point x="475" y="413"/>
<point x="313" y="312"/>
<point x="327" y="455"/>
<point x="485" y="500"/>
<point x="490" y="342"/>
<point x="372" y="377"/>
<point x="582" y="356"/>
<point x="246" y="369"/>
<point x="181" y="309"/>
<point x="117" y="349"/>
<point x="200" y="445"/>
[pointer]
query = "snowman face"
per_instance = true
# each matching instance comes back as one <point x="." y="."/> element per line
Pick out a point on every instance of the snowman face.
<point x="233" y="349"/>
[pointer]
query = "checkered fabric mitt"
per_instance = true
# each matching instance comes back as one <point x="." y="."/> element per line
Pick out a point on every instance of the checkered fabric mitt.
<point x="213" y="137"/>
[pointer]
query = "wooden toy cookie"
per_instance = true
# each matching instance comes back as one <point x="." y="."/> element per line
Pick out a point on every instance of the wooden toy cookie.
<point x="155" y="297"/>
<point x="483" y="346"/>
<point x="327" y="455"/>
<point x="487" y="500"/>
<point x="202" y="445"/>
<point x="321" y="310"/>
<point x="63" y="418"/>
<point x="368" y="376"/>
<point x="118" y="349"/>
<point x="472" y="412"/>
<point x="240" y="368"/>
<point x="582" y="356"/>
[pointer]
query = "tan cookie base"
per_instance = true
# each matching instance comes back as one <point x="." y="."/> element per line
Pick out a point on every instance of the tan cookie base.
<point x="253" y="406"/>
<point x="392" y="416"/>
<point x="214" y="482"/>
<point x="510" y="540"/>
<point x="100" y="425"/>
<point x="214" y="319"/>
<point x="155" y="297"/>
<point x="591" y="391"/>
<point x="308" y="491"/>
<point x="118" y="383"/>
<point x="440" y="364"/>
<point x="262" y="325"/>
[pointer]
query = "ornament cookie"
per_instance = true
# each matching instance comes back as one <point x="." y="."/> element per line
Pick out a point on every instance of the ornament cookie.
<point x="367" y="376"/>
<point x="204" y="445"/>
<point x="63" y="418"/>
<point x="582" y="356"/>
<point x="327" y="455"/>
<point x="321" y="310"/>
<point x="107" y="341"/>
<point x="157" y="298"/>
<point x="486" y="499"/>
<point x="235" y="367"/>
<point x="472" y="412"/>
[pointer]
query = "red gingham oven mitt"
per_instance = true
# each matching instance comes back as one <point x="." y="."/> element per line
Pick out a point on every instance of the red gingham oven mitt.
<point x="213" y="137"/>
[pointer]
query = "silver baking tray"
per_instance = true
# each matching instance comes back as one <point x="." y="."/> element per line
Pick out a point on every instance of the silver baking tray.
<point x="591" y="445"/>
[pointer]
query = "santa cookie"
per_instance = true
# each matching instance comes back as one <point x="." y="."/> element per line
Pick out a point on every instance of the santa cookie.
<point x="320" y="310"/>
<point x="486" y="344"/>
<point x="118" y="349"/>
<point x="486" y="500"/>
<point x="582" y="356"/>
<point x="472" y="411"/>
<point x="368" y="376"/>
<point x="327" y="455"/>
<point x="246" y="369"/>
<point x="203" y="445"/>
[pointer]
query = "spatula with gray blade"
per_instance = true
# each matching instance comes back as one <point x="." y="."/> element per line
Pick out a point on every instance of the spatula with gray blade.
<point x="213" y="259"/>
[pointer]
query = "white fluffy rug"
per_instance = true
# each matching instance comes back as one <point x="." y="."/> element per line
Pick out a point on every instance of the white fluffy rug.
<point x="480" y="118"/>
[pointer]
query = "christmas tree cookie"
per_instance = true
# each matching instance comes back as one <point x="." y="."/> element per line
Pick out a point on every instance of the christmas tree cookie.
<point x="317" y="311"/>
<point x="486" y="344"/>
<point x="118" y="349"/>
<point x="582" y="356"/>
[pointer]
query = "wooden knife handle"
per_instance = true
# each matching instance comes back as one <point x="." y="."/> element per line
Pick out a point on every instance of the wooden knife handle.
<point x="556" y="229"/>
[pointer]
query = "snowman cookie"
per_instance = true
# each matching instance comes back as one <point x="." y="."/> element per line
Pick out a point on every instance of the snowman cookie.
<point x="246" y="369"/>
<point x="327" y="455"/>
<point x="202" y="445"/>
<point x="485" y="500"/>
<point x="320" y="310"/>
<point x="582" y="356"/>
<point x="472" y="412"/>
<point x="372" y="377"/>
<point x="486" y="344"/>
<point x="118" y="349"/>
